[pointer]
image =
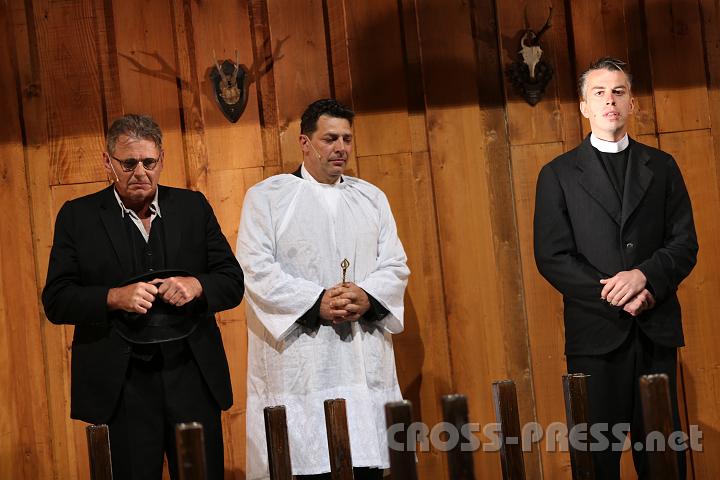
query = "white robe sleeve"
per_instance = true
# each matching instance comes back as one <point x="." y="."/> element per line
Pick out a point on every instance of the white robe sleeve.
<point x="276" y="298"/>
<point x="388" y="281"/>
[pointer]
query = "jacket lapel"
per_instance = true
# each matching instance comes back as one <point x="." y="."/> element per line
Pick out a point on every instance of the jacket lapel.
<point x="113" y="221"/>
<point x="172" y="221"/>
<point x="596" y="182"/>
<point x="637" y="180"/>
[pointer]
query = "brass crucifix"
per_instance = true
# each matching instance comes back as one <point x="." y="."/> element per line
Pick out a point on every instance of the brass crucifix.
<point x="344" y="264"/>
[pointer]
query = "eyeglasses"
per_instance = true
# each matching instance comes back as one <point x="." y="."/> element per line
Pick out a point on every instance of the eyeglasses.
<point x="130" y="164"/>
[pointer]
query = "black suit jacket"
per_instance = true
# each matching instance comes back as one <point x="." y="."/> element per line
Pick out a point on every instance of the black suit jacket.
<point x="584" y="233"/>
<point x="90" y="255"/>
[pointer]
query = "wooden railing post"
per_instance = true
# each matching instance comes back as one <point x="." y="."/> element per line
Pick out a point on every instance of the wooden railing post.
<point x="507" y="415"/>
<point x="190" y="451"/>
<point x="460" y="463"/>
<point x="577" y="412"/>
<point x="658" y="417"/>
<point x="338" y="440"/>
<point x="98" y="439"/>
<point x="278" y="445"/>
<point x="402" y="458"/>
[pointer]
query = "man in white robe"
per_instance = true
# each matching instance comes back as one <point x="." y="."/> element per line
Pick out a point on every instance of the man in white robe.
<point x="312" y="337"/>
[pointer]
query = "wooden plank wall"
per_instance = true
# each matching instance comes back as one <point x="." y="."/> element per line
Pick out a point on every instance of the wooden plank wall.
<point x="438" y="128"/>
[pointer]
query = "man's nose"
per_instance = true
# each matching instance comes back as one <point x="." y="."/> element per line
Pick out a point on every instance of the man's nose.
<point x="610" y="99"/>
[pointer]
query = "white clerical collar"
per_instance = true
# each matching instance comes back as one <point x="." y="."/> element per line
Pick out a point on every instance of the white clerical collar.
<point x="610" y="147"/>
<point x="308" y="176"/>
<point x="154" y="205"/>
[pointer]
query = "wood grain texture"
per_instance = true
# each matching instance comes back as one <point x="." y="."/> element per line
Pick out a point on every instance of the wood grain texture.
<point x="526" y="123"/>
<point x="463" y="130"/>
<point x="437" y="129"/>
<point x="25" y="435"/>
<point x="223" y="28"/>
<point x="71" y="84"/>
<point x="674" y="31"/>
<point x="150" y="80"/>
<point x="542" y="303"/>
<point x="616" y="29"/>
<point x="421" y="351"/>
<point x="695" y="155"/>
<point x="300" y="69"/>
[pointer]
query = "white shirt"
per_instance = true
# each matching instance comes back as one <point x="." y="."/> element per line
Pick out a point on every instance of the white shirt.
<point x="609" y="147"/>
<point x="290" y="246"/>
<point x="154" y="212"/>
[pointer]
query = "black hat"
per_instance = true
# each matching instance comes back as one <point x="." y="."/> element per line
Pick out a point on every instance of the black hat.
<point x="163" y="322"/>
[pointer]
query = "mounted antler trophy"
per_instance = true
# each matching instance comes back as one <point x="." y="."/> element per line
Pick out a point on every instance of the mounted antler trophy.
<point x="530" y="74"/>
<point x="230" y="89"/>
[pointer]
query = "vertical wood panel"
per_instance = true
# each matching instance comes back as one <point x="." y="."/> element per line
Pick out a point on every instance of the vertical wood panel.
<point x="224" y="28"/>
<point x="378" y="78"/>
<point x="149" y="75"/>
<point x="71" y="84"/>
<point x="37" y="163"/>
<point x="614" y="29"/>
<point x="674" y="39"/>
<point x="25" y="432"/>
<point x="301" y="73"/>
<point x="711" y="37"/>
<point x="526" y="123"/>
<point x="698" y="294"/>
<point x="421" y="351"/>
<point x="542" y="303"/>
<point x="426" y="80"/>
<point x="465" y="133"/>
<point x="226" y="194"/>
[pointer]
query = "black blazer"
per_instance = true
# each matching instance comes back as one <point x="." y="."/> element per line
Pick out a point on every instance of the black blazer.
<point x="90" y="255"/>
<point x="584" y="233"/>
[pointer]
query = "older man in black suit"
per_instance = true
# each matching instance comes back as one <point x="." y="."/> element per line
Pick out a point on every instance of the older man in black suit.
<point x="139" y="371"/>
<point x="614" y="234"/>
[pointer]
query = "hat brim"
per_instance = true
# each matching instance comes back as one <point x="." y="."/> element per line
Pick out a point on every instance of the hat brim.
<point x="163" y="322"/>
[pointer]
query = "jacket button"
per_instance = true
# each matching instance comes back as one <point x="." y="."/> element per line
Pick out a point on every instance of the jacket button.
<point x="629" y="245"/>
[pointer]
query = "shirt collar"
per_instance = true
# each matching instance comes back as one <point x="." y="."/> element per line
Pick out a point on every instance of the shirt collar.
<point x="154" y="205"/>
<point x="610" y="147"/>
<point x="308" y="176"/>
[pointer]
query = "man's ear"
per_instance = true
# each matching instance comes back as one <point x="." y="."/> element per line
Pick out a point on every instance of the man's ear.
<point x="106" y="162"/>
<point x="304" y="140"/>
<point x="583" y="109"/>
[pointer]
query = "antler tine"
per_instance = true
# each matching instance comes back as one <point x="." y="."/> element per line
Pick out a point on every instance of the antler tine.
<point x="237" y="64"/>
<point x="548" y="24"/>
<point x="217" y="65"/>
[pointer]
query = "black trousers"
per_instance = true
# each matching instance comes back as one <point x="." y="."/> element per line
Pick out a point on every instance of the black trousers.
<point x="613" y="391"/>
<point x="162" y="389"/>
<point x="359" y="473"/>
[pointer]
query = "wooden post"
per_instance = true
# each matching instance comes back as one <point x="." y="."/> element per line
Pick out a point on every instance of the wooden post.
<point x="98" y="438"/>
<point x="577" y="411"/>
<point x="338" y="440"/>
<point x="278" y="445"/>
<point x="190" y="451"/>
<point x="658" y="417"/>
<point x="460" y="463"/>
<point x="506" y="414"/>
<point x="402" y="460"/>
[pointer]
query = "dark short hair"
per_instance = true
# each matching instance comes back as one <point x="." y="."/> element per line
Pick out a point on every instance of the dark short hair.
<point x="134" y="126"/>
<point x="604" y="63"/>
<point x="326" y="106"/>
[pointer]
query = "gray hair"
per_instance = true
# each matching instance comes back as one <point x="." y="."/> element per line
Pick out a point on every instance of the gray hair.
<point x="604" y="63"/>
<point x="135" y="126"/>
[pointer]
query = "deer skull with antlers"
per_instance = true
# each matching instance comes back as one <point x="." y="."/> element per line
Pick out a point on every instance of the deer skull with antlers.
<point x="230" y="90"/>
<point x="531" y="75"/>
